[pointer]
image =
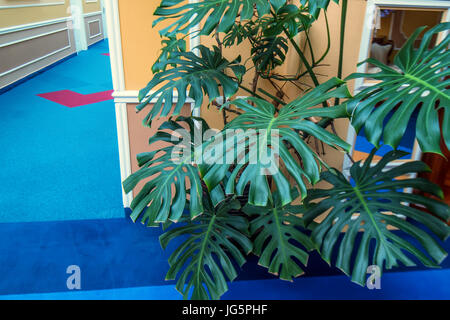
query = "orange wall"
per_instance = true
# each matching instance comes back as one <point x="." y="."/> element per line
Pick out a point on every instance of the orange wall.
<point x="140" y="42"/>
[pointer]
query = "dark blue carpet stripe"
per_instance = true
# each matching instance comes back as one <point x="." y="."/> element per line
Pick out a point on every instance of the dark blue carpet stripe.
<point x="415" y="285"/>
<point x="112" y="254"/>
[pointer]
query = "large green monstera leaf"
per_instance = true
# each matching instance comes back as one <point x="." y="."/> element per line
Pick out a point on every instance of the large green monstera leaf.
<point x="220" y="14"/>
<point x="422" y="83"/>
<point x="205" y="73"/>
<point x="168" y="171"/>
<point x="279" y="238"/>
<point x="251" y="144"/>
<point x="372" y="202"/>
<point x="203" y="262"/>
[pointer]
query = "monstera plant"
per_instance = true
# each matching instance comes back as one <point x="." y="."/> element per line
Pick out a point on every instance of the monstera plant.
<point x="263" y="199"/>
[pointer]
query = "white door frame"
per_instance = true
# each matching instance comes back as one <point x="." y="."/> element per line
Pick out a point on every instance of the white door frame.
<point x="118" y="77"/>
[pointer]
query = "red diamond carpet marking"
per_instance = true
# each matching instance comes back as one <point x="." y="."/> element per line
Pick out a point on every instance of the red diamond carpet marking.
<point x="73" y="99"/>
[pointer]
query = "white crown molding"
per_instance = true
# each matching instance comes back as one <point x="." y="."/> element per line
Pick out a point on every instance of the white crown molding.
<point x="90" y="14"/>
<point x="47" y="4"/>
<point x="131" y="96"/>
<point x="99" y="27"/>
<point x="33" y="25"/>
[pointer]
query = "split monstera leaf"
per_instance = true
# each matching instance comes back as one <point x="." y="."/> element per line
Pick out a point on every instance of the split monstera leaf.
<point x="421" y="84"/>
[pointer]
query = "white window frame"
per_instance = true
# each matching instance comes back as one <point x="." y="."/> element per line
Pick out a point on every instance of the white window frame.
<point x="371" y="10"/>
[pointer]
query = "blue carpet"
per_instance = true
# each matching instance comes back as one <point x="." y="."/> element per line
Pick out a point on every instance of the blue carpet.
<point x="60" y="163"/>
<point x="416" y="285"/>
<point x="115" y="254"/>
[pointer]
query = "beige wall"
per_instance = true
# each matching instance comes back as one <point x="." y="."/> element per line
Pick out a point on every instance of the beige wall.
<point x="24" y="15"/>
<point x="89" y="6"/>
<point x="32" y="49"/>
<point x="141" y="43"/>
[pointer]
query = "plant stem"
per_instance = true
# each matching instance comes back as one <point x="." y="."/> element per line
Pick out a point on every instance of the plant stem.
<point x="300" y="53"/>
<point x="328" y="39"/>
<point x="303" y="58"/>
<point x="342" y="40"/>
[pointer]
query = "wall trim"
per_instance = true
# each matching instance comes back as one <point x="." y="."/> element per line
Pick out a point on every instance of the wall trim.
<point x="33" y="37"/>
<point x="69" y="46"/>
<point x="99" y="27"/>
<point x="118" y="77"/>
<point x="33" y="25"/>
<point x="90" y="14"/>
<point x="131" y="96"/>
<point x="193" y="43"/>
<point x="95" y="42"/>
<point x="33" y="5"/>
<point x="35" y="73"/>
